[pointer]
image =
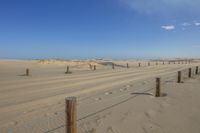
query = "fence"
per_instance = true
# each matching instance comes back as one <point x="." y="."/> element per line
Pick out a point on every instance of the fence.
<point x="57" y="122"/>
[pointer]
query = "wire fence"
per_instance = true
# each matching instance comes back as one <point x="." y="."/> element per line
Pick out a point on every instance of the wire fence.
<point x="55" y="122"/>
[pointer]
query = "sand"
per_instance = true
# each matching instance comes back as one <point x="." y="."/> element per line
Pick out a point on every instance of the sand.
<point x="110" y="100"/>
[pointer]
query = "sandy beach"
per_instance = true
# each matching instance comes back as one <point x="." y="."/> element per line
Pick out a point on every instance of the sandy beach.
<point x="119" y="100"/>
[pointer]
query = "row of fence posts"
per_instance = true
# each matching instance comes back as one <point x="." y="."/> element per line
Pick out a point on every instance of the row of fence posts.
<point x="71" y="110"/>
<point x="179" y="80"/>
<point x="95" y="67"/>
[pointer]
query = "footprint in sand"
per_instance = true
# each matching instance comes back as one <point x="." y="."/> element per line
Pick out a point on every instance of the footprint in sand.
<point x="98" y="121"/>
<point x="93" y="130"/>
<point x="59" y="103"/>
<point x="145" y="82"/>
<point x="14" y="123"/>
<point x="98" y="99"/>
<point x="55" y="113"/>
<point x="47" y="114"/>
<point x="125" y="116"/>
<point x="150" y="113"/>
<point x="110" y="130"/>
<point x="124" y="89"/>
<point x="162" y="106"/>
<point x="152" y="128"/>
<point x="108" y="93"/>
<point x="128" y="86"/>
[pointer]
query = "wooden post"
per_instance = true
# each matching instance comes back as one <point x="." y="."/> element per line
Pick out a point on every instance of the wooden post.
<point x="67" y="69"/>
<point x="169" y="62"/>
<point x="139" y="64"/>
<point x="197" y="70"/>
<point x="95" y="67"/>
<point x="148" y="63"/>
<point x="156" y="63"/>
<point x="71" y="116"/>
<point x="113" y="66"/>
<point x="174" y="62"/>
<point x="157" y="87"/>
<point x="127" y="66"/>
<point x="179" y="77"/>
<point x="163" y="63"/>
<point x="190" y="73"/>
<point x="27" y="72"/>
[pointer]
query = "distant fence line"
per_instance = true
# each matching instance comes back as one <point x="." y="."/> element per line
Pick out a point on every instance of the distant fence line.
<point x="70" y="106"/>
<point x="127" y="65"/>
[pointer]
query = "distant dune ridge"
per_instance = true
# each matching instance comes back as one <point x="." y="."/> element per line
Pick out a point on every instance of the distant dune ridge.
<point x="119" y="100"/>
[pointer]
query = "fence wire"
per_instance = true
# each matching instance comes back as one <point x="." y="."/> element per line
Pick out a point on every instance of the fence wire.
<point x="55" y="122"/>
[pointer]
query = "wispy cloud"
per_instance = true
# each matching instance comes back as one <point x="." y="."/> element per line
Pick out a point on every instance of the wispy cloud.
<point x="197" y="23"/>
<point x="168" y="27"/>
<point x="186" y="24"/>
<point x="163" y="6"/>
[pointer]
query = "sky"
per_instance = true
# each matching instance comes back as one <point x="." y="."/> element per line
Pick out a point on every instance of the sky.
<point x="82" y="29"/>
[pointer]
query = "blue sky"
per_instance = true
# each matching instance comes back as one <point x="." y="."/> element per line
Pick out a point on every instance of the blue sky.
<point x="99" y="28"/>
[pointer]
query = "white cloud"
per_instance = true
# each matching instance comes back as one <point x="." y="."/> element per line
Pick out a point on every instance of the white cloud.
<point x="168" y="27"/>
<point x="186" y="24"/>
<point x="197" y="23"/>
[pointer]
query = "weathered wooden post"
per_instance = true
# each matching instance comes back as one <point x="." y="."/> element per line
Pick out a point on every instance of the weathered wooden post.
<point x="71" y="116"/>
<point x="179" y="77"/>
<point x="27" y="72"/>
<point x="148" y="63"/>
<point x="113" y="66"/>
<point x="139" y="64"/>
<point x="156" y="63"/>
<point x="127" y="66"/>
<point x="90" y="66"/>
<point x="163" y="63"/>
<point x="67" y="69"/>
<point x="157" y="87"/>
<point x="197" y="70"/>
<point x="95" y="67"/>
<point x="190" y="72"/>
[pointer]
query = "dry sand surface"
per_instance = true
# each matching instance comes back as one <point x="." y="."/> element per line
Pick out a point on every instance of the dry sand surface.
<point x="119" y="100"/>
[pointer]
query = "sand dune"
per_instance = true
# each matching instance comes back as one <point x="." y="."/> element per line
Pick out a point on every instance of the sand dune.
<point x="36" y="103"/>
